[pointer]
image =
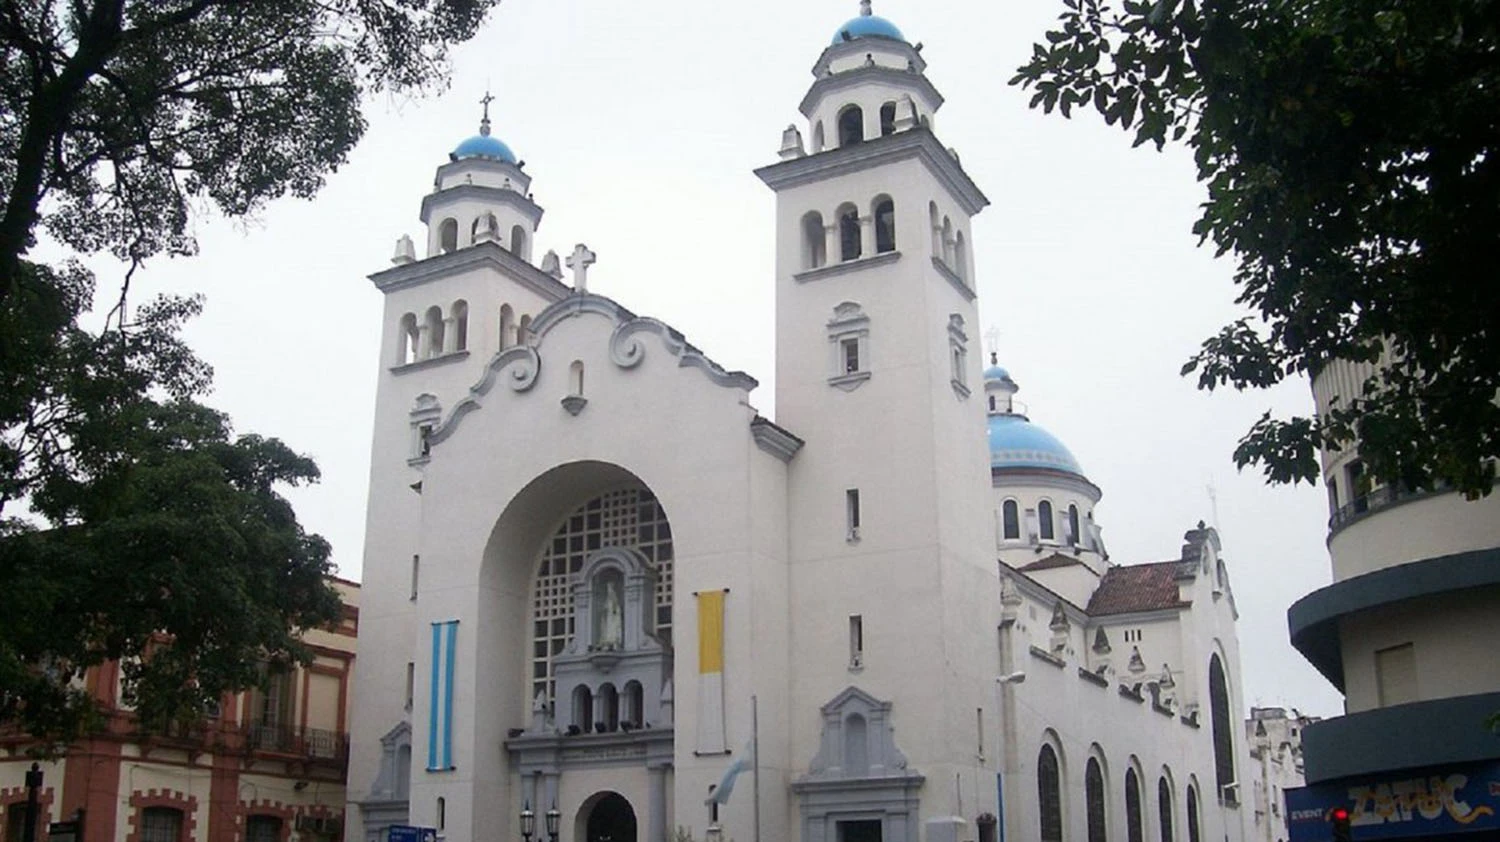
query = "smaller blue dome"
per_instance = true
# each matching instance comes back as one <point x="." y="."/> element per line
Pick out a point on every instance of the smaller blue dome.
<point x="995" y="372"/>
<point x="1015" y="442"/>
<point x="484" y="146"/>
<point x="867" y="26"/>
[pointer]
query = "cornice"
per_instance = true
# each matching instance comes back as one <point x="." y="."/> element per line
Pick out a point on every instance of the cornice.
<point x="842" y="267"/>
<point x="489" y="254"/>
<point x="774" y="439"/>
<point x="826" y="85"/>
<point x="917" y="142"/>
<point x="861" y="45"/>
<point x="529" y="209"/>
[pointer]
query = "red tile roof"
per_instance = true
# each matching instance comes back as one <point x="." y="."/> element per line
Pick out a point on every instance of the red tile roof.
<point x="1140" y="587"/>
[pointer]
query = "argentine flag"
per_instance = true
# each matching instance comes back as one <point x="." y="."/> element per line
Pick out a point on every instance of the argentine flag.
<point x="722" y="792"/>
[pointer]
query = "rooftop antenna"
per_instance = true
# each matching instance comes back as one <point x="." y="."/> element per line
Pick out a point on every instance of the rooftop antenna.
<point x="484" y="124"/>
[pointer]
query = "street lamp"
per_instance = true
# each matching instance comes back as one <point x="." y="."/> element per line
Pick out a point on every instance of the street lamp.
<point x="554" y="818"/>
<point x="528" y="822"/>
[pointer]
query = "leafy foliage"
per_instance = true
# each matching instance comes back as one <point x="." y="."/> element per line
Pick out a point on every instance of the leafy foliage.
<point x="117" y="117"/>
<point x="134" y="525"/>
<point x="1352" y="162"/>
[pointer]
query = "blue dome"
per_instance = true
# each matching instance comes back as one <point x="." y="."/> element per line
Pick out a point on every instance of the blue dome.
<point x="995" y="372"/>
<point x="1015" y="442"/>
<point x="484" y="146"/>
<point x="867" y="26"/>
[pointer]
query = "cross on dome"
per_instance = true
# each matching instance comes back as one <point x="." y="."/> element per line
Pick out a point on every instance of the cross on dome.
<point x="484" y="122"/>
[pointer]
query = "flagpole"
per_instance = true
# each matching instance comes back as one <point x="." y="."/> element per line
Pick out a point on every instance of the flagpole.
<point x="755" y="760"/>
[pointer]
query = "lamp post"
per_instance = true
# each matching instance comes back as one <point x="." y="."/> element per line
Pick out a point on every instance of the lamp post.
<point x="528" y="822"/>
<point x="33" y="792"/>
<point x="554" y="818"/>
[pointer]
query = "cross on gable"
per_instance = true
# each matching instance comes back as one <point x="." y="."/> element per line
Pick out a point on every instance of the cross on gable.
<point x="580" y="261"/>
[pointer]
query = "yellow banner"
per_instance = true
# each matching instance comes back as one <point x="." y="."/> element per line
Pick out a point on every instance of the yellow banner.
<point x="710" y="631"/>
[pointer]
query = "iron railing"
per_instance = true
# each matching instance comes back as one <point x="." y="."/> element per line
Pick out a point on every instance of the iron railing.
<point x="316" y="744"/>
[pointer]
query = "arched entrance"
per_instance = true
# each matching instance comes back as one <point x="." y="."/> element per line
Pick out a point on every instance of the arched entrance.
<point x="611" y="819"/>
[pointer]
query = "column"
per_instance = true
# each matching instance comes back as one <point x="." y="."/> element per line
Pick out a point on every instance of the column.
<point x="529" y="788"/>
<point x="656" y="827"/>
<point x="832" y="250"/>
<point x="450" y="335"/>
<point x="866" y="236"/>
<point x="424" y="341"/>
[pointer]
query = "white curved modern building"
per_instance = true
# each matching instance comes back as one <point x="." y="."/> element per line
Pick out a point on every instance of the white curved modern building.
<point x="1406" y="632"/>
<point x="593" y="568"/>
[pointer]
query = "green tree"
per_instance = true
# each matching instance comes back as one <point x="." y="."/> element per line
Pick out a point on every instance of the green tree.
<point x="134" y="525"/>
<point x="1352" y="161"/>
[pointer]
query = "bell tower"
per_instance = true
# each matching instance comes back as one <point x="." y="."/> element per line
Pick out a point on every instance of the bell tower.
<point x="878" y="370"/>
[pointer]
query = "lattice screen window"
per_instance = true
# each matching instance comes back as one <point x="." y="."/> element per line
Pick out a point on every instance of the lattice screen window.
<point x="629" y="517"/>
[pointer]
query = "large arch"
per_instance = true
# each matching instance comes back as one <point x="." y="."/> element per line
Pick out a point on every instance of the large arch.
<point x="512" y="567"/>
<point x="606" y="817"/>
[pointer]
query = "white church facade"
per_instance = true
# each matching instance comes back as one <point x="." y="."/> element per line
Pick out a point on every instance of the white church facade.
<point x="596" y="578"/>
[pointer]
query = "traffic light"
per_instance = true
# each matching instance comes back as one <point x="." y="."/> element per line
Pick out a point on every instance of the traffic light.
<point x="1339" y="816"/>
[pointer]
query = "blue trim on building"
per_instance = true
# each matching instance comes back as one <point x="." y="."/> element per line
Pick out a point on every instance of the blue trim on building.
<point x="1429" y="733"/>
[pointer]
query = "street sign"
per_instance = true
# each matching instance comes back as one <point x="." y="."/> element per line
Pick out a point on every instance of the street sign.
<point x="407" y="833"/>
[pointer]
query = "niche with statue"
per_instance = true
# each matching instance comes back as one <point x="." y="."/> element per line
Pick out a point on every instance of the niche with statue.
<point x="614" y="674"/>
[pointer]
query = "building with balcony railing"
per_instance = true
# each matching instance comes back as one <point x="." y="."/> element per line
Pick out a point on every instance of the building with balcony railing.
<point x="267" y="765"/>
<point x="1406" y="633"/>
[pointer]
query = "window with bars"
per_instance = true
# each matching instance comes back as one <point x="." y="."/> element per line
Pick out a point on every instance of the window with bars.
<point x="629" y="517"/>
<point x="1049" y="795"/>
<point x="1093" y="791"/>
<point x="161" y="824"/>
<point x="263" y="829"/>
<point x="1134" y="831"/>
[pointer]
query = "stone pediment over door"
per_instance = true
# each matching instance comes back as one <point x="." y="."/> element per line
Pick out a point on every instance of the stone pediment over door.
<point x="858" y="774"/>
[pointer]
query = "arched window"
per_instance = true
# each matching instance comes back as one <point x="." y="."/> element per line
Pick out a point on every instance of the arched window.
<point x="851" y="125"/>
<point x="887" y="119"/>
<point x="523" y="331"/>
<point x="1134" y="831"/>
<point x="1218" y="703"/>
<point x="1192" y="814"/>
<point x="609" y="707"/>
<point x="960" y="256"/>
<point x="434" y="326"/>
<point x="583" y="708"/>
<point x="518" y="242"/>
<point x="159" y="824"/>
<point x="460" y="325"/>
<point x="1010" y="515"/>
<point x="814" y="241"/>
<point x="442" y="813"/>
<point x="1049" y="795"/>
<point x="448" y="236"/>
<point x="1093" y="792"/>
<point x="483" y="224"/>
<point x="818" y="142"/>
<point x="407" y="340"/>
<point x="884" y="211"/>
<point x="849" y="240"/>
<point x="635" y="703"/>
<point x="1044" y="520"/>
<point x="507" y="326"/>
<point x="856" y="745"/>
<point x="1164" y="807"/>
<point x="575" y="378"/>
<point x="935" y="222"/>
<point x="262" y="828"/>
<point x="1073" y="524"/>
<point x="630" y="518"/>
<point x="948" y="241"/>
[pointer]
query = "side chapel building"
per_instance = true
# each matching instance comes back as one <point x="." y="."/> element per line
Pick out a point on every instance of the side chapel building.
<point x="591" y="564"/>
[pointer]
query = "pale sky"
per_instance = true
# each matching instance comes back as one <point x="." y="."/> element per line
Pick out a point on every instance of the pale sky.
<point x="640" y="124"/>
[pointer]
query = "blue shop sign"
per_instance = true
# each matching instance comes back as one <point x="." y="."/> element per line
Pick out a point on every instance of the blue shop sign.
<point x="1400" y="805"/>
<point x="407" y="833"/>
